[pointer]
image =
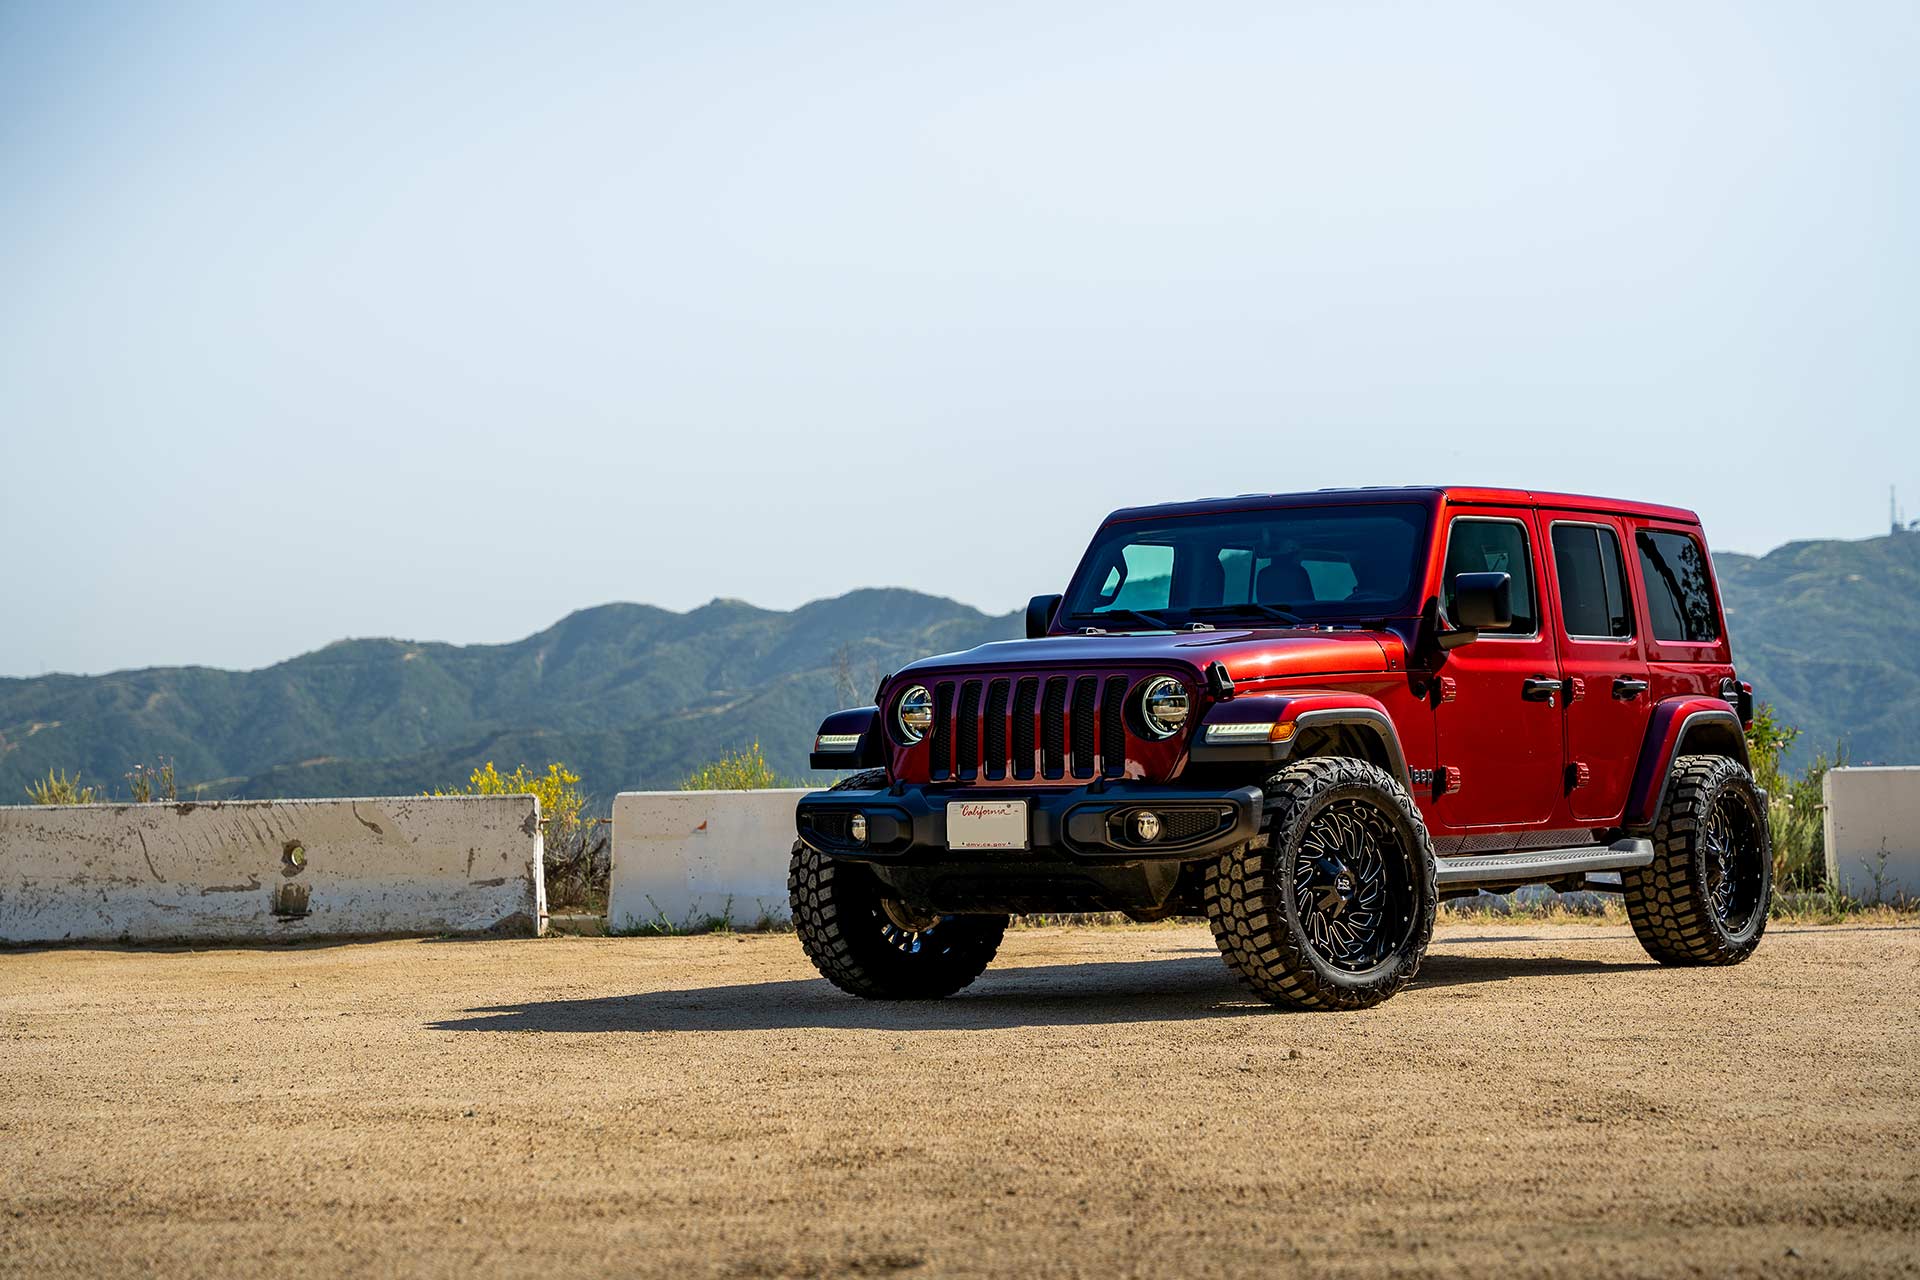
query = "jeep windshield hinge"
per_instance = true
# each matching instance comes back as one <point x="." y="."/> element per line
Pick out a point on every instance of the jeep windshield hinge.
<point x="1219" y="681"/>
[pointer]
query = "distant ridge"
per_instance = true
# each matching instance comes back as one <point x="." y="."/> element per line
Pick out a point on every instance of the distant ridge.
<point x="629" y="695"/>
<point x="1829" y="633"/>
<point x="634" y="696"/>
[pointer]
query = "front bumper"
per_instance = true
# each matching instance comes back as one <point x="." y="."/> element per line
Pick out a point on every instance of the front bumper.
<point x="908" y="824"/>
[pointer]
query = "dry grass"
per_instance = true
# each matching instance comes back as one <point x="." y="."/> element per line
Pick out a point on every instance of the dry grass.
<point x="1488" y="909"/>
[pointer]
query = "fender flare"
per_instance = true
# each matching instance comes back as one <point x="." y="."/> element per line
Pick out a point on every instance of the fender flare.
<point x="1675" y="723"/>
<point x="1306" y="711"/>
<point x="862" y="724"/>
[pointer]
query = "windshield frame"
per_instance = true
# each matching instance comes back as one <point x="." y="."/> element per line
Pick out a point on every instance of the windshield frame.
<point x="1309" y="613"/>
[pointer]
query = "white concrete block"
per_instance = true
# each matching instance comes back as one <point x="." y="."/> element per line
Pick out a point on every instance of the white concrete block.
<point x="683" y="857"/>
<point x="1873" y="831"/>
<point x="247" y="870"/>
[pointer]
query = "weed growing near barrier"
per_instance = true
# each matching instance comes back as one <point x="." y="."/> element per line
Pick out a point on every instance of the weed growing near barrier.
<point x="576" y="848"/>
<point x="60" y="789"/>
<point x="147" y="783"/>
<point x="659" y="926"/>
<point x="743" y="770"/>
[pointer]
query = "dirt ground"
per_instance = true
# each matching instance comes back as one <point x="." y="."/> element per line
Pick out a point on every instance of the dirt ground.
<point x="1104" y="1102"/>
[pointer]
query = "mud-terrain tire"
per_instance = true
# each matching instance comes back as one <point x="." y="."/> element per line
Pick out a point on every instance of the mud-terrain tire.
<point x="1290" y="952"/>
<point x="1704" y="898"/>
<point x="841" y="914"/>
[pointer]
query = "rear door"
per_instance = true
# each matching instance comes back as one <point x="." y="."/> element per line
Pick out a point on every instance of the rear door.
<point x="1603" y="661"/>
<point x="1498" y="721"/>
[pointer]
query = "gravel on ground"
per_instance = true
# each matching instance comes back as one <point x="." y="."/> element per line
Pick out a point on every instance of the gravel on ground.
<point x="1106" y="1101"/>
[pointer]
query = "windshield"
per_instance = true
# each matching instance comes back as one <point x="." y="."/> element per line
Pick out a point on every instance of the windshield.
<point x="1278" y="567"/>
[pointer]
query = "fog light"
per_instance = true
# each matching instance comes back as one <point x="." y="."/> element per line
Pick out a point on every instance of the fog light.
<point x="1146" y="825"/>
<point x="857" y="828"/>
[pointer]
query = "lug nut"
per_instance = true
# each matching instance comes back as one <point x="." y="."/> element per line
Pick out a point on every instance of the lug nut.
<point x="857" y="827"/>
<point x="1146" y="825"/>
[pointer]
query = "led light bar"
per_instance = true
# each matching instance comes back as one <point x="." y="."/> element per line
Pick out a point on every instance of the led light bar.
<point x="827" y="743"/>
<point x="1255" y="731"/>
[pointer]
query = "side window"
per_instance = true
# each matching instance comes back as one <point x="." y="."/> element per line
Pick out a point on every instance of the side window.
<point x="1591" y="575"/>
<point x="1477" y="545"/>
<point x="1679" y="587"/>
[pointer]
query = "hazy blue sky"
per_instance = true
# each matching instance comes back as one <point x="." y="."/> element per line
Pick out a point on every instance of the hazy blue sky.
<point x="320" y="321"/>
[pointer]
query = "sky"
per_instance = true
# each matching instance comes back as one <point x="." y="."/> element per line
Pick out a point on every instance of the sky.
<point x="442" y="322"/>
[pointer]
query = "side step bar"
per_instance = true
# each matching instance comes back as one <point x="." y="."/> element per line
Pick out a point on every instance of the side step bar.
<point x="1531" y="865"/>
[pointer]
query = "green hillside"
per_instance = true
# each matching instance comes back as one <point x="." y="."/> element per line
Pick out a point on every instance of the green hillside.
<point x="629" y="695"/>
<point x="1827" y="632"/>
<point x="634" y="697"/>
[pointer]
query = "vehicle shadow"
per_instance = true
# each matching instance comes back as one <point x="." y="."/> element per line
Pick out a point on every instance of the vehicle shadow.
<point x="1089" y="994"/>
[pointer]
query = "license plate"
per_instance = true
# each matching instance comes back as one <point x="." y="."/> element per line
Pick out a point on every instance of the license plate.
<point x="987" y="824"/>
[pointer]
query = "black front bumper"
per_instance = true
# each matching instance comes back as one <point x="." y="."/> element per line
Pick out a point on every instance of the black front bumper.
<point x="908" y="824"/>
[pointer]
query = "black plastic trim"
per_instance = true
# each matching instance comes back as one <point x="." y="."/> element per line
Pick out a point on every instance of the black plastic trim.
<point x="1064" y="820"/>
<point x="1680" y="749"/>
<point x="1274" y="752"/>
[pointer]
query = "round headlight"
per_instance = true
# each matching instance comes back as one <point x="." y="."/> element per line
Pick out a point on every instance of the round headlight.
<point x="915" y="713"/>
<point x="1163" y="706"/>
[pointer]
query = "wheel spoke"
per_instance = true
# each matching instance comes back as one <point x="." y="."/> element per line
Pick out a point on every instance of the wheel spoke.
<point x="1731" y="862"/>
<point x="1344" y="879"/>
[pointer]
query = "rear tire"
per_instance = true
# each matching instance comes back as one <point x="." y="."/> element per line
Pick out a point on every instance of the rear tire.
<point x="1705" y="896"/>
<point x="870" y="946"/>
<point x="1335" y="907"/>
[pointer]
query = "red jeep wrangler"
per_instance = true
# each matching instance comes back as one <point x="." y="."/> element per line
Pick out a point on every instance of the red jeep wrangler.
<point x="1309" y="718"/>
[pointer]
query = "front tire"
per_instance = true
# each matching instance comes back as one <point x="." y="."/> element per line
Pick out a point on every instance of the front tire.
<point x="1704" y="898"/>
<point x="1335" y="907"/>
<point x="875" y="947"/>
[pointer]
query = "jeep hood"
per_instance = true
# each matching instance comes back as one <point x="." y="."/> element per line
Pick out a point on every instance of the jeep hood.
<point x="1249" y="654"/>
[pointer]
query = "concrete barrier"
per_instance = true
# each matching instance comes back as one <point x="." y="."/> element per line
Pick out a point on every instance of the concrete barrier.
<point x="248" y="870"/>
<point x="1873" y="831"/>
<point x="686" y="858"/>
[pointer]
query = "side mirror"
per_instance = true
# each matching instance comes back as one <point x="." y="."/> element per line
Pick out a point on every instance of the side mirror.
<point x="1040" y="611"/>
<point x="1483" y="601"/>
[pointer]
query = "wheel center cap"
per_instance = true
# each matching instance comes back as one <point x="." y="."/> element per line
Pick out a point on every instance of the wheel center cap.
<point x="1343" y="884"/>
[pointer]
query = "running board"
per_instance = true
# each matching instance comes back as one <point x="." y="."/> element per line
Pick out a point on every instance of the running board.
<point x="1531" y="865"/>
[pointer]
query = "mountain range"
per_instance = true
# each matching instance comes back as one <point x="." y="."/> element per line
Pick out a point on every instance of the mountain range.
<point x="634" y="697"/>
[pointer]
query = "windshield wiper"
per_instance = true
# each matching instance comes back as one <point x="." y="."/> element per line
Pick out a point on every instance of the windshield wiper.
<point x="1153" y="620"/>
<point x="1275" y="612"/>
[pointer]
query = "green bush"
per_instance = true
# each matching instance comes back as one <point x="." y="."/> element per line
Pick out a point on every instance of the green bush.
<point x="743" y="770"/>
<point x="1796" y="805"/>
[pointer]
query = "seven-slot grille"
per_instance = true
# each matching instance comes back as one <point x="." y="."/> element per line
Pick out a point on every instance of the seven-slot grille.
<point x="999" y="727"/>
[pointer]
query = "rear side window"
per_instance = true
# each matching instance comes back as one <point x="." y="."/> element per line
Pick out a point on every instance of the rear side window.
<point x="1592" y="579"/>
<point x="1679" y="587"/>
<point x="1494" y="546"/>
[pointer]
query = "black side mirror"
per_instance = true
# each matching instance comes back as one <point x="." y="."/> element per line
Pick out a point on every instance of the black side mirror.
<point x="1483" y="601"/>
<point x="1040" y="611"/>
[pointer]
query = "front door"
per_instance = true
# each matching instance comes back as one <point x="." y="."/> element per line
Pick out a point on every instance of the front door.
<point x="1603" y="660"/>
<point x="1498" y="720"/>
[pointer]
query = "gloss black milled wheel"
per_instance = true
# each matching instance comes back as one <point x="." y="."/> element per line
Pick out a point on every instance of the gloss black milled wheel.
<point x="1732" y="854"/>
<point x="1352" y="885"/>
<point x="1704" y="898"/>
<point x="1333" y="909"/>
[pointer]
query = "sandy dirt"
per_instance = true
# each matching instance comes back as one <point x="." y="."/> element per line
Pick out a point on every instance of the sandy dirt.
<point x="1104" y="1102"/>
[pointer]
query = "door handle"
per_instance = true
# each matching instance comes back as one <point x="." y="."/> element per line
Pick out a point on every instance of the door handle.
<point x="1539" y="689"/>
<point x="1627" y="689"/>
